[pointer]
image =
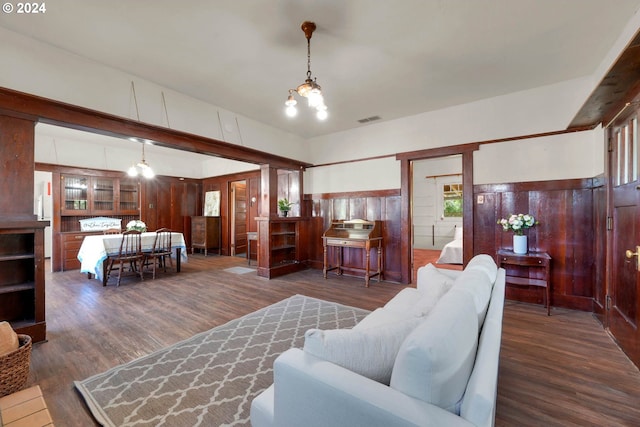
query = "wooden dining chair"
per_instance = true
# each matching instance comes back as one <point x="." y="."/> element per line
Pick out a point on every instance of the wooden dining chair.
<point x="112" y="231"/>
<point x="160" y="251"/>
<point x="129" y="255"/>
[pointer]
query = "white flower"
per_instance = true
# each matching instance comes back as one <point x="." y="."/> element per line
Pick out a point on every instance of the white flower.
<point x="136" y="224"/>
<point x="517" y="223"/>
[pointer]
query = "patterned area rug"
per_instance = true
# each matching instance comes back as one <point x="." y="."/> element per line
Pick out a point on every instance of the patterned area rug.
<point x="211" y="378"/>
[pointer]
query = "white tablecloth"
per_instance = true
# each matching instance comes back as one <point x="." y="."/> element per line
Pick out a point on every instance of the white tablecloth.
<point x="95" y="249"/>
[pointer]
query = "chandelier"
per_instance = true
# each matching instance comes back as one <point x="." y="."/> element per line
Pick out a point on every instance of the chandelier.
<point x="141" y="168"/>
<point x="310" y="89"/>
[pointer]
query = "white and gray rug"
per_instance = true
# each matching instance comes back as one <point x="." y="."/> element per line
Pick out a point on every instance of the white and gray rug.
<point x="211" y="378"/>
<point x="240" y="270"/>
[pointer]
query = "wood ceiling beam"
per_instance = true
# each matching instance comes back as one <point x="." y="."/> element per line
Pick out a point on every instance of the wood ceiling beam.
<point x="44" y="110"/>
<point x="617" y="87"/>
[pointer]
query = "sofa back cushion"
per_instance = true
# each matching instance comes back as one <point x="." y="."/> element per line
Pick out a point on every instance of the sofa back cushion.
<point x="484" y="263"/>
<point x="419" y="301"/>
<point x="429" y="276"/>
<point x="477" y="284"/>
<point x="434" y="362"/>
<point x="370" y="352"/>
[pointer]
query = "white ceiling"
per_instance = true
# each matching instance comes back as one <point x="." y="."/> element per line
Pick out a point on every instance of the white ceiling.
<point x="390" y="59"/>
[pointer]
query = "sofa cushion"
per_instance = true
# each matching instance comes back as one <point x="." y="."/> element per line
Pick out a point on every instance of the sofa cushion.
<point x="432" y="289"/>
<point x="370" y="352"/>
<point x="477" y="284"/>
<point x="434" y="362"/>
<point x="380" y="317"/>
<point x="486" y="264"/>
<point x="429" y="276"/>
<point x="404" y="300"/>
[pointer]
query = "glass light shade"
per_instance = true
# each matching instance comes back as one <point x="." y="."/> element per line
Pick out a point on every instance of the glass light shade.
<point x="290" y="102"/>
<point x="291" y="111"/>
<point x="322" y="114"/>
<point x="315" y="97"/>
<point x="148" y="172"/>
<point x="141" y="168"/>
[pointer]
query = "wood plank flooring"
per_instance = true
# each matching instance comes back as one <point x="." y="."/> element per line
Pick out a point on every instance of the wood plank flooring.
<point x="425" y="256"/>
<point x="562" y="370"/>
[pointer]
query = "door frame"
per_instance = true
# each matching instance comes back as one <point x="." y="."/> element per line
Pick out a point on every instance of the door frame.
<point x="406" y="227"/>
<point x="628" y="343"/>
<point x="232" y="213"/>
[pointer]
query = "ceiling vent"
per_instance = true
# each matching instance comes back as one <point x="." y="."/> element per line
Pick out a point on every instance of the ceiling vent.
<point x="369" y="119"/>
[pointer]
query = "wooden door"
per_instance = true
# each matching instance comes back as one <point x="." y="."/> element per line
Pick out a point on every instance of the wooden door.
<point x="239" y="225"/>
<point x="623" y="291"/>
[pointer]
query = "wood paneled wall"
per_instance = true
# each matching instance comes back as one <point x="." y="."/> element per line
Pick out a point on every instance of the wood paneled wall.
<point x="382" y="205"/>
<point x="567" y="216"/>
<point x="171" y="202"/>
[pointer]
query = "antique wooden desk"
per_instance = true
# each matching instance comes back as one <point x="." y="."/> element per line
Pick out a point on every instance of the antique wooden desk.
<point x="530" y="260"/>
<point x="356" y="233"/>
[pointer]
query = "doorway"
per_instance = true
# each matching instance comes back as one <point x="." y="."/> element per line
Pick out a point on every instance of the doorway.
<point x="437" y="212"/>
<point x="238" y="217"/>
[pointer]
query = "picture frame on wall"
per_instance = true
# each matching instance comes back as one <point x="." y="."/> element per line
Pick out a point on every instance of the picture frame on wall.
<point x="212" y="203"/>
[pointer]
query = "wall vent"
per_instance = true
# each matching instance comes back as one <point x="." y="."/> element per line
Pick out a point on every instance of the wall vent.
<point x="369" y="119"/>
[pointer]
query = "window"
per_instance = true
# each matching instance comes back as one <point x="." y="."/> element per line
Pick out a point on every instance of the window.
<point x="452" y="200"/>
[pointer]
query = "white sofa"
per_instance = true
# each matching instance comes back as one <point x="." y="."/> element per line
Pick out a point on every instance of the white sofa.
<point x="429" y="357"/>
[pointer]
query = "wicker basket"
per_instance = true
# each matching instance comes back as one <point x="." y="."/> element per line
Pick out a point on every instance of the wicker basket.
<point x="14" y="367"/>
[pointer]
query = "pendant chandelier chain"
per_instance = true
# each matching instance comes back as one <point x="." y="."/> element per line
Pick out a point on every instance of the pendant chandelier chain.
<point x="308" y="58"/>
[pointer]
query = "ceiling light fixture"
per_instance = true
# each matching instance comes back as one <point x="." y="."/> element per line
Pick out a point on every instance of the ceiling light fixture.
<point x="310" y="89"/>
<point x="142" y="167"/>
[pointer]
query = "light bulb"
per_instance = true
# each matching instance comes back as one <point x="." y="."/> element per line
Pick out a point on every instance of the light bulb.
<point x="132" y="171"/>
<point x="148" y="173"/>
<point x="322" y="114"/>
<point x="315" y="97"/>
<point x="291" y="111"/>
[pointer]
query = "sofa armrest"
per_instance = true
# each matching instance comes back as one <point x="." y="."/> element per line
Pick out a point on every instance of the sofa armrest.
<point x="313" y="392"/>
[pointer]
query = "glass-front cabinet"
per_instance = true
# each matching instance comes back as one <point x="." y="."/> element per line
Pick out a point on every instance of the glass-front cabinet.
<point x="99" y="195"/>
<point x="103" y="200"/>
<point x="75" y="194"/>
<point x="129" y="196"/>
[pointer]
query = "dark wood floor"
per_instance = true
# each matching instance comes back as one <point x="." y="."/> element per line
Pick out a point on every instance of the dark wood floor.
<point x="562" y="370"/>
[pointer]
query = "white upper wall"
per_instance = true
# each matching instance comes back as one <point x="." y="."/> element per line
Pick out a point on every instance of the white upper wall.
<point x="40" y="69"/>
<point x="545" y="109"/>
<point x="43" y="70"/>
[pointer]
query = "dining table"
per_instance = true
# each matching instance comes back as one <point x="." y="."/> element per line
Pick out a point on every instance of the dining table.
<point x="96" y="249"/>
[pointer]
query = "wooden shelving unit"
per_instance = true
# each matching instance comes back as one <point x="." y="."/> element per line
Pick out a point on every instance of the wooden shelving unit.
<point x="22" y="286"/>
<point x="281" y="246"/>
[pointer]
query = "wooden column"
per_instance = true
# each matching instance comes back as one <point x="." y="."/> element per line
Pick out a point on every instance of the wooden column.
<point x="268" y="191"/>
<point x="17" y="143"/>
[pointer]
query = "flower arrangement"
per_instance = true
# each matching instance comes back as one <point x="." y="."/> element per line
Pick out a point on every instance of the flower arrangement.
<point x="518" y="223"/>
<point x="137" y="225"/>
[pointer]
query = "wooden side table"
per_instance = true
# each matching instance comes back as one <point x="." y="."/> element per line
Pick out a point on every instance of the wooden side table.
<point x="541" y="260"/>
